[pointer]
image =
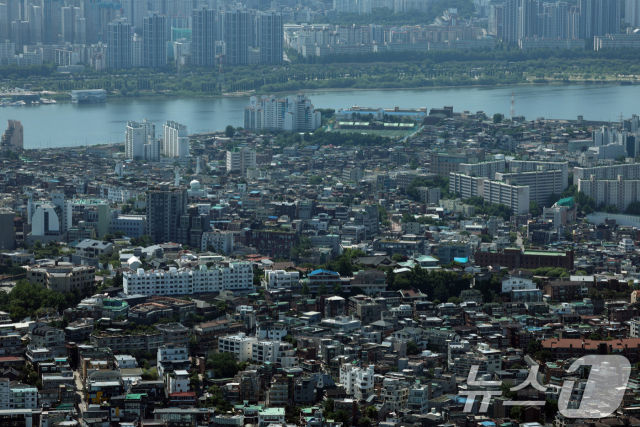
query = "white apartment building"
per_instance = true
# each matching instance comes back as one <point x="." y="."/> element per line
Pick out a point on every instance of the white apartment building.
<point x="418" y="400"/>
<point x="176" y="139"/>
<point x="542" y="183"/>
<point x="626" y="245"/>
<point x="394" y="393"/>
<point x="178" y="382"/>
<point x="170" y="354"/>
<point x="233" y="276"/>
<point x="344" y="324"/>
<point x="617" y="192"/>
<point x="517" y="283"/>
<point x="282" y="279"/>
<point x="279" y="352"/>
<point x="634" y="331"/>
<point x="135" y="136"/>
<point x="514" y="196"/>
<point x="466" y="185"/>
<point x="240" y="345"/>
<point x="221" y="241"/>
<point x="534" y="165"/>
<point x="292" y="114"/>
<point x="357" y="382"/>
<point x="17" y="396"/>
<point x="272" y="331"/>
<point x="241" y="159"/>
<point x="629" y="171"/>
<point x="483" y="169"/>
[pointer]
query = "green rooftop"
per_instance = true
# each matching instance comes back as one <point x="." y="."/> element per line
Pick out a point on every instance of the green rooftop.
<point x="568" y="201"/>
<point x="132" y="396"/>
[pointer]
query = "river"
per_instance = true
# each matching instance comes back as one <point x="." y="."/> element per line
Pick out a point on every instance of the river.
<point x="67" y="124"/>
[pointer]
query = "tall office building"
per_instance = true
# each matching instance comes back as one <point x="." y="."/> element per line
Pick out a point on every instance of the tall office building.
<point x="154" y="46"/>
<point x="119" y="49"/>
<point x="292" y="114"/>
<point x="632" y="12"/>
<point x="269" y="36"/>
<point x="510" y="21"/>
<point x="528" y="18"/>
<point x="203" y="36"/>
<point x="5" y="27"/>
<point x="67" y="24"/>
<point x="496" y="16"/>
<point x="51" y="20"/>
<point x="136" y="135"/>
<point x="237" y="26"/>
<point x="607" y="16"/>
<point x="241" y="159"/>
<point x="79" y="28"/>
<point x="7" y="230"/>
<point x="35" y="24"/>
<point x="175" y="139"/>
<point x="165" y="205"/>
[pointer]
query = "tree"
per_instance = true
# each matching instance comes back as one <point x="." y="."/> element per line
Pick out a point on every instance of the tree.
<point x="328" y="405"/>
<point x="553" y="198"/>
<point x="517" y="412"/>
<point x="229" y="131"/>
<point x="224" y="365"/>
<point x="337" y="288"/>
<point x="322" y="289"/>
<point x="441" y="293"/>
<point x="372" y="412"/>
<point x="534" y="209"/>
<point x="305" y="289"/>
<point x="412" y="348"/>
<point x="364" y="422"/>
<point x="397" y="257"/>
<point x="497" y="118"/>
<point x="315" y="180"/>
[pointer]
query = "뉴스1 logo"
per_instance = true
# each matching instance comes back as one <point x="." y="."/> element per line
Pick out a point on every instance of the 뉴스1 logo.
<point x="602" y="394"/>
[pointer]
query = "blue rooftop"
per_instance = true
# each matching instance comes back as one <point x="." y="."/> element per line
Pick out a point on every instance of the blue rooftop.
<point x="324" y="271"/>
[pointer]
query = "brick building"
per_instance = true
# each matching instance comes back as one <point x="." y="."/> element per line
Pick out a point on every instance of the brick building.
<point x="273" y="243"/>
<point x="567" y="348"/>
<point x="515" y="258"/>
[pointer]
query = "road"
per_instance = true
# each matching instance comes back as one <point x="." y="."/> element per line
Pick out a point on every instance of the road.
<point x="80" y="392"/>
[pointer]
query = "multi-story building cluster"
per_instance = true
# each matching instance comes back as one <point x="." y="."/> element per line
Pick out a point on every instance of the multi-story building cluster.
<point x="137" y="34"/>
<point x="346" y="281"/>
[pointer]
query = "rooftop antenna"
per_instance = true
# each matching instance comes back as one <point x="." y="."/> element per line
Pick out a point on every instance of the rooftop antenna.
<point x="513" y="105"/>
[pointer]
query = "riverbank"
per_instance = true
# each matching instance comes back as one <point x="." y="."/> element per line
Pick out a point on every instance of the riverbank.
<point x="68" y="124"/>
<point x="182" y="95"/>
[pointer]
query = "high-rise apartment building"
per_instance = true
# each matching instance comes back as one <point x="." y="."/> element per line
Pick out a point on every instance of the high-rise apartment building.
<point x="293" y="114"/>
<point x="240" y="159"/>
<point x="165" y="205"/>
<point x="632" y="12"/>
<point x="237" y="26"/>
<point x="513" y="195"/>
<point x="154" y="46"/>
<point x="136" y="136"/>
<point x="13" y="137"/>
<point x="203" y="36"/>
<point x="119" y="47"/>
<point x="7" y="230"/>
<point x="269" y="36"/>
<point x="175" y="140"/>
<point x="616" y="192"/>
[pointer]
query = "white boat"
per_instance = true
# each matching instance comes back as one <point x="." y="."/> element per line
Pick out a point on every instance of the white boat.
<point x="45" y="101"/>
<point x="18" y="103"/>
<point x="53" y="101"/>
